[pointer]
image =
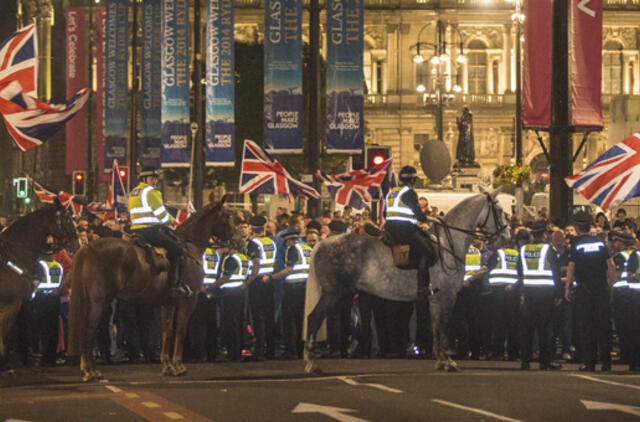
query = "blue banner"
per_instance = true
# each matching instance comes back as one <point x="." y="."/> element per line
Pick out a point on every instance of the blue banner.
<point x="150" y="98"/>
<point x="283" y="76"/>
<point x="176" y="137"/>
<point x="220" y="79"/>
<point x="345" y="84"/>
<point x="115" y="82"/>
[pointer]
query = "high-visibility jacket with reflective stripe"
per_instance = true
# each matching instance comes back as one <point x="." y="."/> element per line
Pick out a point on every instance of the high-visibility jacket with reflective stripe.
<point x="397" y="209"/>
<point x="267" y="248"/>
<point x="300" y="271"/>
<point x="506" y="270"/>
<point x="633" y="285"/>
<point x="146" y="207"/>
<point x="210" y="266"/>
<point x="51" y="275"/>
<point x="536" y="270"/>
<point x="238" y="276"/>
<point x="472" y="262"/>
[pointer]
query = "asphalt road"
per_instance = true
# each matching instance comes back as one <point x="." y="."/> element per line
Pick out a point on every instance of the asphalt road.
<point x="350" y="391"/>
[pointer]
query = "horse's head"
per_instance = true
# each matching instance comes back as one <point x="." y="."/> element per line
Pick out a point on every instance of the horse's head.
<point x="493" y="222"/>
<point x="60" y="226"/>
<point x="224" y="230"/>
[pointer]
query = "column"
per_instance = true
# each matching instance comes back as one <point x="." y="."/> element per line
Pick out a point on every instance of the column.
<point x="506" y="58"/>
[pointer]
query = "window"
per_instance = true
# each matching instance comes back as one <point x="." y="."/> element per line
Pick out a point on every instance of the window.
<point x="477" y="67"/>
<point x="612" y="68"/>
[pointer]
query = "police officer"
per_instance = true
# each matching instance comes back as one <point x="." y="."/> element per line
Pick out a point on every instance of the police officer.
<point x="503" y="277"/>
<point x="295" y="274"/>
<point x="149" y="218"/>
<point x="621" y="293"/>
<point x="540" y="277"/>
<point x="234" y="271"/>
<point x="591" y="266"/>
<point x="261" y="250"/>
<point x="633" y="269"/>
<point x="46" y="307"/>
<point x="339" y="315"/>
<point x="402" y="215"/>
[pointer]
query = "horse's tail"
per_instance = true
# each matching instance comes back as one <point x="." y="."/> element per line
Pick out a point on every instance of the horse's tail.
<point x="79" y="306"/>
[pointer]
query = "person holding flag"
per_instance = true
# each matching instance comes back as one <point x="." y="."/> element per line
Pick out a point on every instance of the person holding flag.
<point x="149" y="219"/>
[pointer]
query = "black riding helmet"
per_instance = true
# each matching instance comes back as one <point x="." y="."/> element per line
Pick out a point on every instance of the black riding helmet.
<point x="408" y="174"/>
<point x="148" y="171"/>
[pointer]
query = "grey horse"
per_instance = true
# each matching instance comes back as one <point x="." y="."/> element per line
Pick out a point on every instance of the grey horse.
<point x="348" y="263"/>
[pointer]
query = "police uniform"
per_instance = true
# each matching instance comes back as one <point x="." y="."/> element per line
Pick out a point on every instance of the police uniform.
<point x="633" y="268"/>
<point x="503" y="272"/>
<point x="236" y="267"/>
<point x="46" y="308"/>
<point x="590" y="256"/>
<point x="263" y="249"/>
<point x="339" y="315"/>
<point x="541" y="283"/>
<point x="298" y="257"/>
<point x="621" y="296"/>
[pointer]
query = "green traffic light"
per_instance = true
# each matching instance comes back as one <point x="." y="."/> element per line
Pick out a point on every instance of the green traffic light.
<point x="21" y="193"/>
<point x="27" y="200"/>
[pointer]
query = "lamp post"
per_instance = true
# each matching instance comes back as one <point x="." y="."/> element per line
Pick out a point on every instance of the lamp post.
<point x="442" y="53"/>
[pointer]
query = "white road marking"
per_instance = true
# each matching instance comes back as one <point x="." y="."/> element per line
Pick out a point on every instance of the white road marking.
<point x="113" y="388"/>
<point x="336" y="413"/>
<point x="350" y="381"/>
<point x="598" y="405"/>
<point x="173" y="415"/>
<point x="474" y="410"/>
<point x="132" y="395"/>
<point x="619" y="384"/>
<point x="150" y="404"/>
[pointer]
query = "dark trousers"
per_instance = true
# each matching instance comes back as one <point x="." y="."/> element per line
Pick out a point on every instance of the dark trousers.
<point x="536" y="314"/>
<point x="262" y="316"/>
<point x="634" y="344"/>
<point x="504" y="310"/>
<point x="372" y="307"/>
<point x="424" y="334"/>
<point x="202" y="335"/>
<point x="623" y="318"/>
<point x="103" y="339"/>
<point x="292" y="318"/>
<point x="398" y="317"/>
<point x="465" y="329"/>
<point x="138" y="325"/>
<point x="339" y="325"/>
<point x="46" y="311"/>
<point x="232" y="321"/>
<point x="594" y="317"/>
<point x="157" y="236"/>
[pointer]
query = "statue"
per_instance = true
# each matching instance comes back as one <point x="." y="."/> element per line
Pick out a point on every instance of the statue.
<point x="465" y="151"/>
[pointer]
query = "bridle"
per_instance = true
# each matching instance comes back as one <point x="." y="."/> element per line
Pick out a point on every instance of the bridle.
<point x="61" y="239"/>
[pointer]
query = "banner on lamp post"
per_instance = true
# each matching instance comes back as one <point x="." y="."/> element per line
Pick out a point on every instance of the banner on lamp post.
<point x="116" y="80"/>
<point x="283" y="76"/>
<point x="585" y="57"/>
<point x="220" y="125"/>
<point x="76" y="80"/>
<point x="176" y="135"/>
<point x="345" y="84"/>
<point x="150" y="96"/>
<point x="99" y="94"/>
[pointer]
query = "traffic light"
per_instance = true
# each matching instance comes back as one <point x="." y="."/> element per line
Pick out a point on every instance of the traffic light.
<point x="376" y="155"/>
<point x="123" y="172"/>
<point x="78" y="183"/>
<point x="22" y="187"/>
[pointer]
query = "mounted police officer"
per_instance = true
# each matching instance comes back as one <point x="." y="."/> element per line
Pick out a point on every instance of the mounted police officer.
<point x="403" y="216"/>
<point x="590" y="265"/>
<point x="149" y="219"/>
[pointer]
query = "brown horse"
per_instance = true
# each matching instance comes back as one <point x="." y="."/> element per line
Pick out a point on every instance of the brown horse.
<point x="21" y="245"/>
<point x="111" y="268"/>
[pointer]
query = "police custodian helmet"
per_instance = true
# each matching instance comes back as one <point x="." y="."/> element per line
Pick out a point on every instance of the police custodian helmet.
<point x="408" y="173"/>
<point x="148" y="171"/>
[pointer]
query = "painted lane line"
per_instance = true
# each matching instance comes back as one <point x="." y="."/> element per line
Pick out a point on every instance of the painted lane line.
<point x="378" y="386"/>
<point x="150" y="404"/>
<point x="475" y="410"/>
<point x="113" y="388"/>
<point x="337" y="413"/>
<point x="598" y="405"/>
<point x="132" y="395"/>
<point x="173" y="415"/>
<point x="619" y="384"/>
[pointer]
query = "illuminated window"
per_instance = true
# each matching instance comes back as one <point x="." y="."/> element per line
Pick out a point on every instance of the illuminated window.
<point x="477" y="67"/>
<point x="612" y="68"/>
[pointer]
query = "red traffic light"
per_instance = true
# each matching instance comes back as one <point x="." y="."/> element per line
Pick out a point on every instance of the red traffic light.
<point x="79" y="177"/>
<point x="377" y="160"/>
<point x="122" y="173"/>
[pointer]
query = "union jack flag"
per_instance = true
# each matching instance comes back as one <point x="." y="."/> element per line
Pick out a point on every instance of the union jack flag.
<point x="358" y="187"/>
<point x="47" y="195"/>
<point x="31" y="122"/>
<point x="614" y="177"/>
<point x="263" y="174"/>
<point x="180" y="216"/>
<point x="117" y="195"/>
<point x="19" y="60"/>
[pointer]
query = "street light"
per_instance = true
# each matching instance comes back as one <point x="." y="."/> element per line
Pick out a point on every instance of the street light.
<point x="442" y="53"/>
<point x="518" y="18"/>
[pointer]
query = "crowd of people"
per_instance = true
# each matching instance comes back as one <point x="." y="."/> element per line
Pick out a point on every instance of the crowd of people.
<point x="251" y="306"/>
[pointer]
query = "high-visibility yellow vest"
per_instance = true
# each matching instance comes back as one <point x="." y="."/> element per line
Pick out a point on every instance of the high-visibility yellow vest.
<point x="210" y="265"/>
<point x="146" y="208"/>
<point x="241" y="272"/>
<point x="633" y="285"/>
<point x="268" y="249"/>
<point x="535" y="267"/>
<point x="397" y="209"/>
<point x="506" y="270"/>
<point x="472" y="262"/>
<point x="300" y="271"/>
<point x="51" y="276"/>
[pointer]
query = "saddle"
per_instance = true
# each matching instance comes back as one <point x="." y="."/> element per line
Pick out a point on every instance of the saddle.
<point x="401" y="252"/>
<point x="157" y="257"/>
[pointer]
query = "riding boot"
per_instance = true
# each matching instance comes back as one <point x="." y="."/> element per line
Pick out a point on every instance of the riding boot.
<point x="176" y="287"/>
<point x="423" y="277"/>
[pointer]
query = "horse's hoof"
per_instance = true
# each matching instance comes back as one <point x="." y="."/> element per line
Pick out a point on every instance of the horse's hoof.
<point x="439" y="365"/>
<point x="312" y="369"/>
<point x="167" y="370"/>
<point x="96" y="374"/>
<point x="87" y="377"/>
<point x="451" y="367"/>
<point x="179" y="370"/>
<point x="8" y="372"/>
